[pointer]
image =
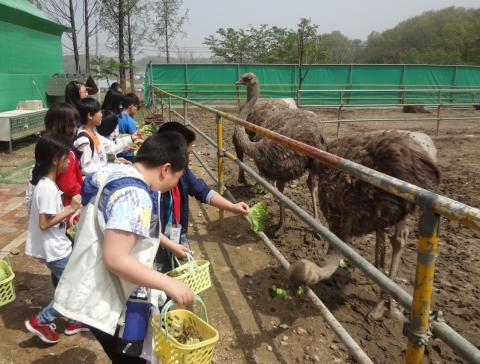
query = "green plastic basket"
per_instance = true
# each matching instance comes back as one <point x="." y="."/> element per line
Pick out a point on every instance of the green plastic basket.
<point x="7" y="290"/>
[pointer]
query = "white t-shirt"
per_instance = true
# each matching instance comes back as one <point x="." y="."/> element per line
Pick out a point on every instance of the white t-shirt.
<point x="50" y="244"/>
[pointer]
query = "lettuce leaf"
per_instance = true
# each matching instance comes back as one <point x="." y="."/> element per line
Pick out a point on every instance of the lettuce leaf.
<point x="258" y="215"/>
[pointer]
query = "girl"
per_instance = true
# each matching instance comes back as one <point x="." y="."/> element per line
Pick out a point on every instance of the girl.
<point x="46" y="238"/>
<point x="74" y="92"/>
<point x="113" y="101"/>
<point x="63" y="118"/>
<point x="93" y="146"/>
<point x="109" y="129"/>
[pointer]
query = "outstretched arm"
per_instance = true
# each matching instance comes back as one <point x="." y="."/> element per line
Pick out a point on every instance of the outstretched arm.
<point x="222" y="203"/>
<point x="117" y="247"/>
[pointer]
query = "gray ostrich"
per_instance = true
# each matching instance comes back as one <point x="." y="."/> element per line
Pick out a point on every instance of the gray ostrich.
<point x="274" y="161"/>
<point x="260" y="114"/>
<point x="353" y="207"/>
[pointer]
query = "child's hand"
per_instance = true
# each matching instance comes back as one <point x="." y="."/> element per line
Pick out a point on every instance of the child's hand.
<point x="76" y="203"/>
<point x="239" y="208"/>
<point x="137" y="135"/>
<point x="179" y="291"/>
<point x="179" y="251"/>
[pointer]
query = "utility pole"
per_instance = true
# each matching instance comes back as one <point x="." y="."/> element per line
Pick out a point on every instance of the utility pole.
<point x="96" y="55"/>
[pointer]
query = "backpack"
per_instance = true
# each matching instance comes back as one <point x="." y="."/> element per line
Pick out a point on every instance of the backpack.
<point x="79" y="153"/>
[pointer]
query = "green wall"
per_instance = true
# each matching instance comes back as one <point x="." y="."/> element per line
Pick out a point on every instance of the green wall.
<point x="214" y="83"/>
<point x="30" y="52"/>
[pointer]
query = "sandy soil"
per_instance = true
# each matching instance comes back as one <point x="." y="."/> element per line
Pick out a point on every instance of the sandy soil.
<point x="250" y="323"/>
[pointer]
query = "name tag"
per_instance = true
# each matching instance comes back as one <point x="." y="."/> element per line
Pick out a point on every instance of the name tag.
<point x="175" y="234"/>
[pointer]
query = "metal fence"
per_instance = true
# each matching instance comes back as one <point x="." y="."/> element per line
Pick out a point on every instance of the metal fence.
<point x="423" y="323"/>
<point x="437" y="99"/>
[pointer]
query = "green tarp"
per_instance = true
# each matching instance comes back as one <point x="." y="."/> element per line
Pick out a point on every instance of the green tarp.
<point x="31" y="52"/>
<point x="214" y="83"/>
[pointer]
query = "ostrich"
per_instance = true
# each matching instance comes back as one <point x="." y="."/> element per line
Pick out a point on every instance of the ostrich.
<point x="274" y="161"/>
<point x="415" y="109"/>
<point x="353" y="207"/>
<point x="262" y="112"/>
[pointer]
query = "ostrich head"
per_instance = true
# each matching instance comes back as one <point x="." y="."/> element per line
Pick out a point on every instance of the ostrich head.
<point x="304" y="272"/>
<point x="247" y="79"/>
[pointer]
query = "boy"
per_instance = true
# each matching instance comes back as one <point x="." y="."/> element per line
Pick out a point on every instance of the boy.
<point x="128" y="212"/>
<point x="174" y="205"/>
<point x="126" y="123"/>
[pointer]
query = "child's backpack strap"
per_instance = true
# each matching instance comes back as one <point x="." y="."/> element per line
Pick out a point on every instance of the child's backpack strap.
<point x="111" y="187"/>
<point x="92" y="145"/>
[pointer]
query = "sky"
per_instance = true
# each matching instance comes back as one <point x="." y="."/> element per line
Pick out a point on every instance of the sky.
<point x="353" y="18"/>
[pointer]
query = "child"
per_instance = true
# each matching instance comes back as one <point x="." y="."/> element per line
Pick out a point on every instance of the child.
<point x="174" y="205"/>
<point x="46" y="238"/>
<point x="129" y="208"/>
<point x="63" y="118"/>
<point x="109" y="129"/>
<point x="126" y="123"/>
<point x="93" y="146"/>
<point x="113" y="101"/>
<point x="74" y="92"/>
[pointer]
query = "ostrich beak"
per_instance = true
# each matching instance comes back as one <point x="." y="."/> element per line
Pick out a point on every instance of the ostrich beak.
<point x="239" y="83"/>
<point x="296" y="277"/>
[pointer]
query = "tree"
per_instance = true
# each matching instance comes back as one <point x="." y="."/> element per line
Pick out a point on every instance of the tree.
<point x="167" y="24"/>
<point x="90" y="8"/>
<point x="340" y="49"/>
<point x="308" y="49"/>
<point x="233" y="47"/>
<point x="64" y="11"/>
<point x="113" y="13"/>
<point x="106" y="67"/>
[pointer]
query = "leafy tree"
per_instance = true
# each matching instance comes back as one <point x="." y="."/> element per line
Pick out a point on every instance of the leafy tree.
<point x="341" y="49"/>
<point x="167" y="24"/>
<point x="106" y="67"/>
<point x="234" y="47"/>
<point x="447" y="36"/>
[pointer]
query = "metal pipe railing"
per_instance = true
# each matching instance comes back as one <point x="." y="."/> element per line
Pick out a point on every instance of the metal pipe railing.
<point x="439" y="204"/>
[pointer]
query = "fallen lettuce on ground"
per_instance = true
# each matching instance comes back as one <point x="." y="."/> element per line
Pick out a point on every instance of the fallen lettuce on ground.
<point x="258" y="215"/>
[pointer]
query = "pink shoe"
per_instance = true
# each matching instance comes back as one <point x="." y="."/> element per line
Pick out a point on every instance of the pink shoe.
<point x="72" y="329"/>
<point x="46" y="333"/>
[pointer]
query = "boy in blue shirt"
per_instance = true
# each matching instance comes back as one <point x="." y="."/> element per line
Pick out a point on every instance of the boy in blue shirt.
<point x="174" y="204"/>
<point x="126" y="123"/>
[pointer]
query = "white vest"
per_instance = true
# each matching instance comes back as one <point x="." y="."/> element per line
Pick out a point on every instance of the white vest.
<point x="86" y="292"/>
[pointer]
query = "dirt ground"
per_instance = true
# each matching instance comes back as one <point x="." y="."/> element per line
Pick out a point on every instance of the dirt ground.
<point x="252" y="327"/>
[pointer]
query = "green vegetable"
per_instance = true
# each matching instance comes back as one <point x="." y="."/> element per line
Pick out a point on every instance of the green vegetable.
<point x="258" y="215"/>
<point x="275" y="292"/>
<point x="342" y="264"/>
<point x="3" y="274"/>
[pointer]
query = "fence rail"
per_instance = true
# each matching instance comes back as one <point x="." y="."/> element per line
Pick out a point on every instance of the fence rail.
<point x="431" y="206"/>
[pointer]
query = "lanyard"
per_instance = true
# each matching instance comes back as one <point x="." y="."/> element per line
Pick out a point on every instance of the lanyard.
<point x="170" y="210"/>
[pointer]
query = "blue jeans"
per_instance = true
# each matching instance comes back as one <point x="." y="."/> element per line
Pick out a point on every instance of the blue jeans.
<point x="48" y="314"/>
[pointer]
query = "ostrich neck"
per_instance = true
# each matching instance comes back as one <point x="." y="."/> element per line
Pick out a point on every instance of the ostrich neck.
<point x="240" y="136"/>
<point x="252" y="97"/>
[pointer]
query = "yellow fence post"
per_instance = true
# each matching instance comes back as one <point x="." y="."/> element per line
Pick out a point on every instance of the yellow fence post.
<point x="161" y="100"/>
<point x="220" y="161"/>
<point x="438" y="112"/>
<point x="418" y="330"/>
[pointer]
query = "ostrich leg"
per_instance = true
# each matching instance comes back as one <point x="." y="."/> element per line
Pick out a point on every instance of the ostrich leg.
<point x="313" y="187"/>
<point x="380" y="249"/>
<point x="241" y="172"/>
<point x="398" y="241"/>
<point x="281" y="224"/>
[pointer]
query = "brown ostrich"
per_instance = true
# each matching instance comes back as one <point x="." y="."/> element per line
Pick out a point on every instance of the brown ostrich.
<point x="260" y="114"/>
<point x="353" y="207"/>
<point x="274" y="161"/>
<point x="415" y="108"/>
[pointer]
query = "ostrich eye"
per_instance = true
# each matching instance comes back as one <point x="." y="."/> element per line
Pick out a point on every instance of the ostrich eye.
<point x="249" y="78"/>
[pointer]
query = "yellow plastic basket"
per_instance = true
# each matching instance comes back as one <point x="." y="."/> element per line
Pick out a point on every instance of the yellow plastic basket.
<point x="7" y="290"/>
<point x="198" y="275"/>
<point x="170" y="324"/>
